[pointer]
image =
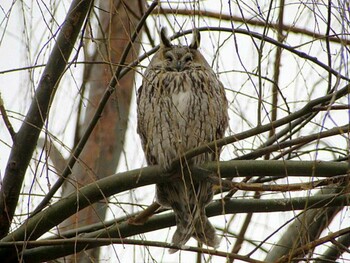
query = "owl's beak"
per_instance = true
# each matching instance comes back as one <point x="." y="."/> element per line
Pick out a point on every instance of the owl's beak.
<point x="179" y="66"/>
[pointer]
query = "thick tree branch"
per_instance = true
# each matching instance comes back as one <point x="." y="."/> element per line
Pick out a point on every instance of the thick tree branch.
<point x="27" y="136"/>
<point x="109" y="91"/>
<point x="164" y="220"/>
<point x="334" y="251"/>
<point x="31" y="255"/>
<point x="40" y="223"/>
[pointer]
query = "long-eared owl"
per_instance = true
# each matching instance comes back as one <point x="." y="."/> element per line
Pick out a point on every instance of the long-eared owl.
<point x="182" y="105"/>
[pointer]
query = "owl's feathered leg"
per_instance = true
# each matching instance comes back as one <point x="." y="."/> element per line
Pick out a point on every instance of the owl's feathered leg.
<point x="184" y="228"/>
<point x="175" y="196"/>
<point x="188" y="200"/>
<point x="205" y="232"/>
<point x="196" y="226"/>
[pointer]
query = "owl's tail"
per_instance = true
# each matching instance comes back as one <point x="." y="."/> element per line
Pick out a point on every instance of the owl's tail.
<point x="183" y="232"/>
<point x="196" y="226"/>
<point x="205" y="232"/>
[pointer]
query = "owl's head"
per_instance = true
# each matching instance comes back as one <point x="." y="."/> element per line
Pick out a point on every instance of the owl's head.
<point x="178" y="58"/>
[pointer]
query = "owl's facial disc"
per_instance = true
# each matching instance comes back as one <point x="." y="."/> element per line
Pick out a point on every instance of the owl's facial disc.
<point x="178" y="61"/>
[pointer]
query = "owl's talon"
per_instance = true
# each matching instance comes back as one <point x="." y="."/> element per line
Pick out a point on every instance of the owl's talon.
<point x="133" y="221"/>
<point x="141" y="218"/>
<point x="201" y="172"/>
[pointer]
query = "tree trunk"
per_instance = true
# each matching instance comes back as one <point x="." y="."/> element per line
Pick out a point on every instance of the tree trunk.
<point x="102" y="152"/>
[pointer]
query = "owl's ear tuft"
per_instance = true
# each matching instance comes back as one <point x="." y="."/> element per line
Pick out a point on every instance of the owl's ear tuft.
<point x="196" y="39"/>
<point x="164" y="40"/>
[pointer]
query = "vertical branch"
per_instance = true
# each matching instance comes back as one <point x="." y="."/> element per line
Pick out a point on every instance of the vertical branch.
<point x="276" y="74"/>
<point x="241" y="235"/>
<point x="328" y="46"/>
<point x="28" y="134"/>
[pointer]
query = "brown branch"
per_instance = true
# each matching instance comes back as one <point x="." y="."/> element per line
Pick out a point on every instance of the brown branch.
<point x="241" y="235"/>
<point x="311" y="245"/>
<point x="298" y="141"/>
<point x="252" y="21"/>
<point x="27" y="136"/>
<point x="6" y="119"/>
<point x="305" y="111"/>
<point x="142" y="217"/>
<point x="276" y="72"/>
<point x="79" y="242"/>
<point x="259" y="187"/>
<point x="109" y="91"/>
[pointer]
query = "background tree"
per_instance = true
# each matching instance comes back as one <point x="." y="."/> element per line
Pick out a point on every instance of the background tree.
<point x="285" y="69"/>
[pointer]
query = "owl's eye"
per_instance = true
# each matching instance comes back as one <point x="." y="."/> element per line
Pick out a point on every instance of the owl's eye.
<point x="168" y="57"/>
<point x="188" y="58"/>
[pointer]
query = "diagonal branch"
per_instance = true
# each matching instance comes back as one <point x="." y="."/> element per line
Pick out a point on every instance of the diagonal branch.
<point x="335" y="38"/>
<point x="338" y="247"/>
<point x="302" y="113"/>
<point x="43" y="221"/>
<point x="27" y="136"/>
<point x="165" y="220"/>
<point x="311" y="245"/>
<point x="297" y="141"/>
<point x="109" y="91"/>
<point x="6" y="119"/>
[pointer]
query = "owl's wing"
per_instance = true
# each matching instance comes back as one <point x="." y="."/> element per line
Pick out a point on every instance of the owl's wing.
<point x="223" y="113"/>
<point x="140" y="118"/>
<point x="223" y="118"/>
<point x="142" y="125"/>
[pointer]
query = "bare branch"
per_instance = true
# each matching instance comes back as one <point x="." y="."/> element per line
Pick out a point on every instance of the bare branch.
<point x="165" y="220"/>
<point x="254" y="22"/>
<point x="304" y="112"/>
<point x="37" y="225"/>
<point x="109" y="91"/>
<point x="27" y="136"/>
<point x="6" y="119"/>
<point x="309" y="246"/>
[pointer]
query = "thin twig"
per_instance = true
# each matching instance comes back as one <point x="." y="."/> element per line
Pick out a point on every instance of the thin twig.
<point x="108" y="241"/>
<point x="297" y="141"/>
<point x="6" y="119"/>
<point x="311" y="245"/>
<point x="331" y="107"/>
<point x="328" y="46"/>
<point x="258" y="187"/>
<point x="109" y="91"/>
<point x="252" y="21"/>
<point x="276" y="72"/>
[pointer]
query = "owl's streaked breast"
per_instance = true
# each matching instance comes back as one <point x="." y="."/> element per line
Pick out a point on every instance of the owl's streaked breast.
<point x="182" y="111"/>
